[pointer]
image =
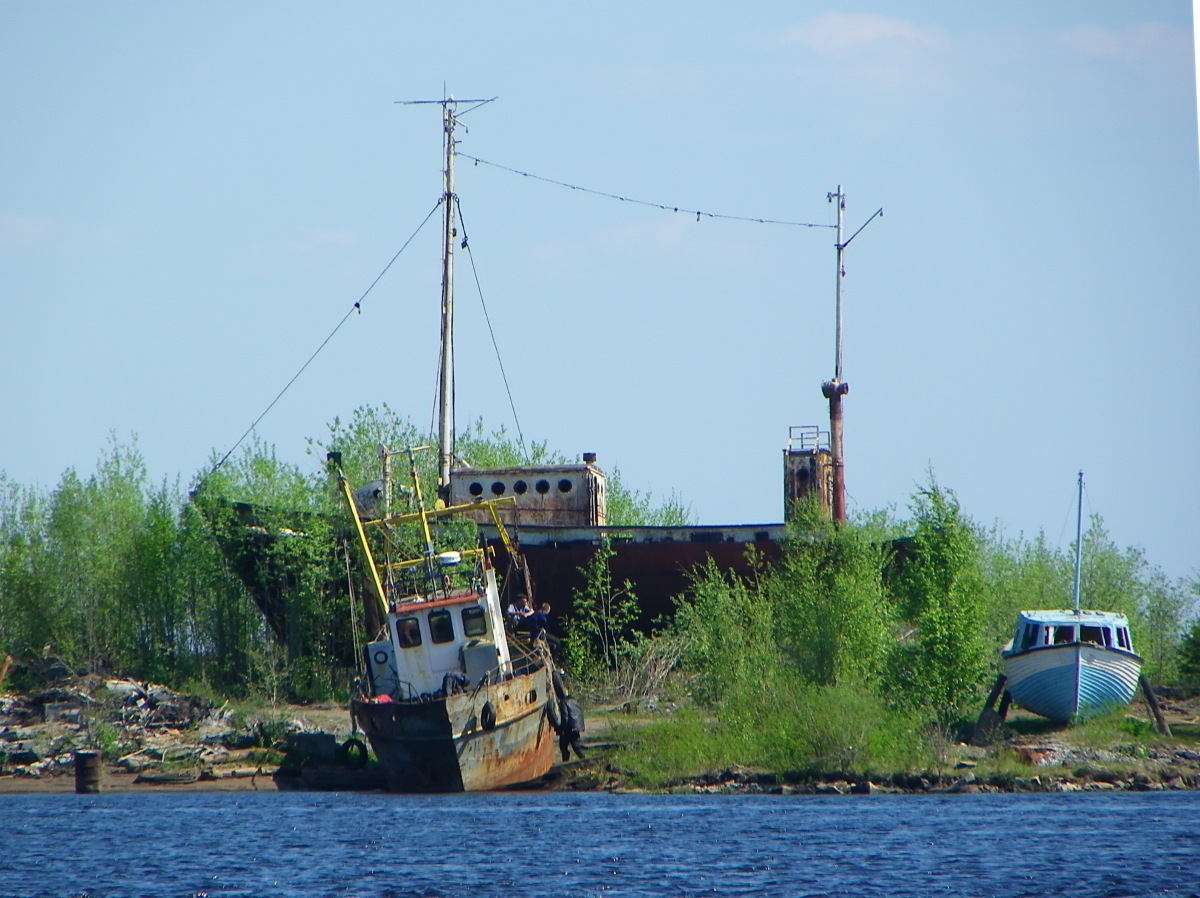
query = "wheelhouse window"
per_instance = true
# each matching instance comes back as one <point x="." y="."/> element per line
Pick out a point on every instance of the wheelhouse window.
<point x="441" y="627"/>
<point x="1123" y="639"/>
<point x="1029" y="635"/>
<point x="1064" y="635"/>
<point x="408" y="632"/>
<point x="474" y="621"/>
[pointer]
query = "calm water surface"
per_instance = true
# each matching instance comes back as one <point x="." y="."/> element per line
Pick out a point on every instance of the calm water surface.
<point x="391" y="846"/>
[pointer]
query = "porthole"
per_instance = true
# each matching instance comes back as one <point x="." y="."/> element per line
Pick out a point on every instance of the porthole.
<point x="564" y="486"/>
<point x="542" y="486"/>
<point x="497" y="488"/>
<point x="476" y="489"/>
<point x="520" y="487"/>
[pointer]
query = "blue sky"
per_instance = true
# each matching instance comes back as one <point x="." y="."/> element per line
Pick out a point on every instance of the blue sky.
<point x="194" y="195"/>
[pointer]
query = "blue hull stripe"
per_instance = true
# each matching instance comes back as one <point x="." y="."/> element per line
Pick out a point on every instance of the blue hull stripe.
<point x="1070" y="682"/>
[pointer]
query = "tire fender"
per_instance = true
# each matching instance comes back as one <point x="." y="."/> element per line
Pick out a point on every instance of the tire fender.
<point x="353" y="753"/>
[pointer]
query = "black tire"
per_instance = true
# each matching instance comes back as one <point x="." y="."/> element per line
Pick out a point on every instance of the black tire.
<point x="353" y="754"/>
<point x="487" y="717"/>
<point x="552" y="714"/>
<point x="559" y="689"/>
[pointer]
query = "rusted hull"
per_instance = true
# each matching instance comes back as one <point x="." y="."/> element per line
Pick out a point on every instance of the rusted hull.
<point x="444" y="746"/>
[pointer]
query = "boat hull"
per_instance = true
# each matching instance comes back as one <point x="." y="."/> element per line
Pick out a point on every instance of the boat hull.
<point x="1071" y="682"/>
<point x="456" y="744"/>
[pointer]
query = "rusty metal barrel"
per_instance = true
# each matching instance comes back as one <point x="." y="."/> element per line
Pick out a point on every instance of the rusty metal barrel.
<point x="87" y="772"/>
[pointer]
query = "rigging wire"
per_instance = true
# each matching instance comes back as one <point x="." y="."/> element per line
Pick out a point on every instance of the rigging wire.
<point x="357" y="307"/>
<point x="488" y="318"/>
<point x="666" y="207"/>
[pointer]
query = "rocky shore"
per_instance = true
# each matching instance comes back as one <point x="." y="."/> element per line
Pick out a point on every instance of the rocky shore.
<point x="153" y="738"/>
<point x="150" y="736"/>
<point x="1178" y="771"/>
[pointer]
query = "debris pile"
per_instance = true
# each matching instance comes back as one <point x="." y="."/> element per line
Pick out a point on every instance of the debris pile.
<point x="140" y="728"/>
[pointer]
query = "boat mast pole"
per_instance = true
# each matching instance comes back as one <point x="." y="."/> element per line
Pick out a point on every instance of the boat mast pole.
<point x="1078" y="540"/>
<point x="446" y="394"/>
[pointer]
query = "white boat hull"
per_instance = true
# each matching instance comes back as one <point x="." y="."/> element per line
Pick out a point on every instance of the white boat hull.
<point x="1075" y="681"/>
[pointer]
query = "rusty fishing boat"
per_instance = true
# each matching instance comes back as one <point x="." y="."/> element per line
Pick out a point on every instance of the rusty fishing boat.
<point x="450" y="700"/>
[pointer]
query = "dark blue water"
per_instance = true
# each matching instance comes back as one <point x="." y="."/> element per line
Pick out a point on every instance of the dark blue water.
<point x="391" y="846"/>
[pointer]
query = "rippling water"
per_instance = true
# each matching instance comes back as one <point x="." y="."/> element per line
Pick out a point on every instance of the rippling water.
<point x="554" y="844"/>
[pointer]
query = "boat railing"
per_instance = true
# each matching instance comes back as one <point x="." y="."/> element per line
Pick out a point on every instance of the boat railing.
<point x="807" y="438"/>
<point x="526" y="656"/>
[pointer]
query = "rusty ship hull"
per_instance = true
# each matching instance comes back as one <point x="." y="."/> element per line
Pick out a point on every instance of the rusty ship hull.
<point x="472" y="742"/>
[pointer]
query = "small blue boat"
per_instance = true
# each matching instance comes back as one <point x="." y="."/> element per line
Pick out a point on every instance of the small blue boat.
<point x="1072" y="664"/>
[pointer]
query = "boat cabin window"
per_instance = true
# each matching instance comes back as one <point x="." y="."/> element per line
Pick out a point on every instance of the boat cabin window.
<point x="1094" y="635"/>
<point x="1064" y="635"/>
<point x="408" y="632"/>
<point x="474" y="621"/>
<point x="1029" y="635"/>
<point x="441" y="627"/>
<point x="1123" y="639"/>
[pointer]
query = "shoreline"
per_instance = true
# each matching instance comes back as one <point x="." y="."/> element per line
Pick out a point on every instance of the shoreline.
<point x="596" y="776"/>
<point x="166" y="741"/>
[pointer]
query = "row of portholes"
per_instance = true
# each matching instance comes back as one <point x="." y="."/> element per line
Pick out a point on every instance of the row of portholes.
<point x="520" y="487"/>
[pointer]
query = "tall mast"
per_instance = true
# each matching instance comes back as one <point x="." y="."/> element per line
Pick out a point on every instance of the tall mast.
<point x="841" y="273"/>
<point x="1078" y="540"/>
<point x="835" y="389"/>
<point x="446" y="377"/>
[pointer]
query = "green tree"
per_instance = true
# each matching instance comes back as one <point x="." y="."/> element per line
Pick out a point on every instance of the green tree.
<point x="1161" y="610"/>
<point x="280" y="527"/>
<point x="29" y="617"/>
<point x="1189" y="649"/>
<point x="603" y="614"/>
<point x="727" y="633"/>
<point x="943" y="665"/>
<point x="832" y="615"/>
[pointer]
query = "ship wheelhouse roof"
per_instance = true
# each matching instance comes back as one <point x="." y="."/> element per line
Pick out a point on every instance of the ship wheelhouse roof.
<point x="1066" y="617"/>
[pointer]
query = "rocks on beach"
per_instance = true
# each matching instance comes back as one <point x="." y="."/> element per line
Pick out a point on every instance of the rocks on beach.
<point x="143" y="730"/>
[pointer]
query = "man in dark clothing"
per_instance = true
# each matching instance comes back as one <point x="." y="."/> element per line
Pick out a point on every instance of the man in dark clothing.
<point x="570" y="728"/>
<point x="535" y="624"/>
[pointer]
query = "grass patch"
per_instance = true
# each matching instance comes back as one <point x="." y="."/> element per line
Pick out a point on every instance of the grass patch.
<point x="1186" y="732"/>
<point x="1115" y="728"/>
<point x="663" y="752"/>
<point x="809" y="730"/>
